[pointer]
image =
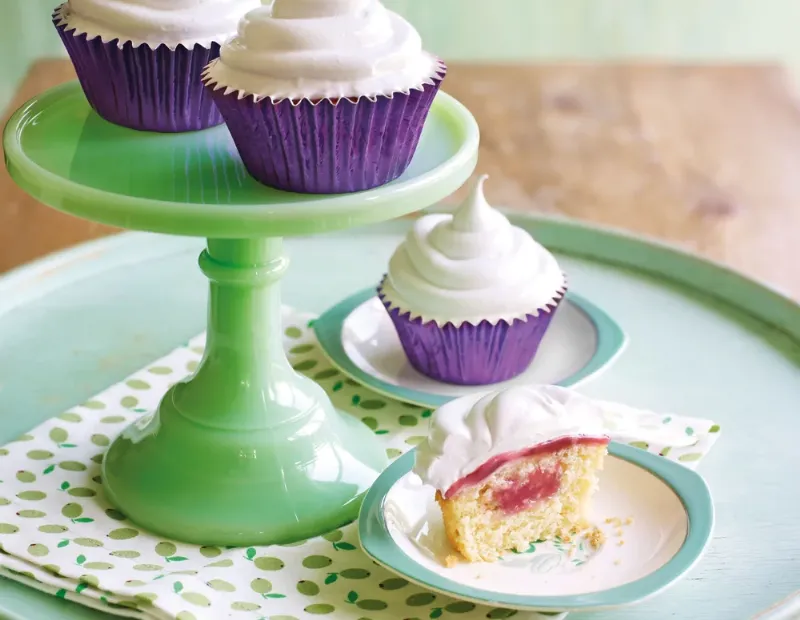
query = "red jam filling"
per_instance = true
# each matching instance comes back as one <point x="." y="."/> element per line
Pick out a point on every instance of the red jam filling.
<point x="523" y="492"/>
<point x="537" y="485"/>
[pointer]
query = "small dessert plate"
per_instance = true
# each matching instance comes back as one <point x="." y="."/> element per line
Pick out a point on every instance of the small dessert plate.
<point x="651" y="522"/>
<point x="358" y="337"/>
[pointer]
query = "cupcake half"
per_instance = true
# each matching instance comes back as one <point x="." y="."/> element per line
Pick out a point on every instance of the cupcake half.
<point x="514" y="466"/>
<point x="325" y="97"/>
<point x="470" y="295"/>
<point x="140" y="63"/>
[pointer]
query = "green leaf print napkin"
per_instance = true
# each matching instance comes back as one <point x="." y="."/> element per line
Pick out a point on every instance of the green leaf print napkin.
<point x="58" y="534"/>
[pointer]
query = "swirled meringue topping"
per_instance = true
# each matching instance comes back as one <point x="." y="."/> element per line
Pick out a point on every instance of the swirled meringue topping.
<point x="467" y="432"/>
<point x="317" y="49"/>
<point x="471" y="266"/>
<point x="153" y="22"/>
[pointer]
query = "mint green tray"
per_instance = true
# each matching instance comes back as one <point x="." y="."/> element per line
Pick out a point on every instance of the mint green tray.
<point x="75" y="323"/>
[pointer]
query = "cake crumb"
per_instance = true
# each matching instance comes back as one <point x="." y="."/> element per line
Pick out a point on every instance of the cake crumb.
<point x="629" y="520"/>
<point x="609" y="520"/>
<point x="596" y="538"/>
<point x="620" y="543"/>
<point x="618" y="532"/>
<point x="617" y="562"/>
<point x="451" y="560"/>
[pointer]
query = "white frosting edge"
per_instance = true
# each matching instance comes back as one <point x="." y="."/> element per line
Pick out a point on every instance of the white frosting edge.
<point x="215" y="83"/>
<point x="389" y="298"/>
<point x="62" y="19"/>
<point x="445" y="458"/>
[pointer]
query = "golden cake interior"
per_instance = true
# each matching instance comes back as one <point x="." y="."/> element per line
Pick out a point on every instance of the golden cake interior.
<point x="531" y="498"/>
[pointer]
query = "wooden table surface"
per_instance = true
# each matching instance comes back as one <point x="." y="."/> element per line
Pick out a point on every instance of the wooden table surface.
<point x="706" y="157"/>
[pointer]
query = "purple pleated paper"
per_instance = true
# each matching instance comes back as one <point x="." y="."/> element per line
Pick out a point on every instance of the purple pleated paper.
<point x="143" y="88"/>
<point x="326" y="147"/>
<point x="470" y="354"/>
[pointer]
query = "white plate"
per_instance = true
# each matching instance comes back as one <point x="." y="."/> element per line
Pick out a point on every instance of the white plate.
<point x="656" y="515"/>
<point x="358" y="337"/>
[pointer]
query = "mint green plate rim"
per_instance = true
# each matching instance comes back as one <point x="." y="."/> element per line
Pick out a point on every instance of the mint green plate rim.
<point x="276" y="216"/>
<point x="611" y="341"/>
<point x="689" y="486"/>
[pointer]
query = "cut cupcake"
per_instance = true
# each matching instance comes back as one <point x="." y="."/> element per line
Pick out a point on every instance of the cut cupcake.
<point x="513" y="467"/>
<point x="470" y="295"/>
<point x="325" y="97"/>
<point x="140" y="63"/>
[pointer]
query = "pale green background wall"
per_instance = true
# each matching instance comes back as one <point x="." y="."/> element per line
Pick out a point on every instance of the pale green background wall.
<point x="494" y="30"/>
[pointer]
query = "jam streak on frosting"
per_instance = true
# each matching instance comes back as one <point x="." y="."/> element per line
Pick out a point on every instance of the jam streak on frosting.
<point x="467" y="433"/>
<point x="471" y="266"/>
<point x="171" y="22"/>
<point x="323" y="49"/>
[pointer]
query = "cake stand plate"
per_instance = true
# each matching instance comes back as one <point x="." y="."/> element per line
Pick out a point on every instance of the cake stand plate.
<point x="656" y="516"/>
<point x="246" y="451"/>
<point x="358" y="337"/>
<point x="77" y="322"/>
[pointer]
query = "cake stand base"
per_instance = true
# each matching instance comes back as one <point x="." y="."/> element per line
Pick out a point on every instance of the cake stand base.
<point x="246" y="451"/>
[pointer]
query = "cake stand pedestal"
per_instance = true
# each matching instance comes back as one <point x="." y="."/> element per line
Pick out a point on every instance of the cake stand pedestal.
<point x="246" y="451"/>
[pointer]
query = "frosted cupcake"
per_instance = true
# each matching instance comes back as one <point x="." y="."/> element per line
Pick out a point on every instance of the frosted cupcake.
<point x="325" y="96"/>
<point x="140" y="62"/>
<point x="470" y="295"/>
<point x="514" y="466"/>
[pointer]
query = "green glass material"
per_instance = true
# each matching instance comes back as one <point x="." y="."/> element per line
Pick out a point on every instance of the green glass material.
<point x="246" y="451"/>
<point x="62" y="153"/>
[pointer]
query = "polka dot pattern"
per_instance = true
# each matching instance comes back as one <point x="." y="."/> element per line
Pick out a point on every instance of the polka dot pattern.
<point x="60" y="535"/>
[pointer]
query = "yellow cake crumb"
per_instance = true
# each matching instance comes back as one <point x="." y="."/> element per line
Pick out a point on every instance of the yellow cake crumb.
<point x="451" y="560"/>
<point x="481" y="531"/>
<point x="628" y="521"/>
<point x="596" y="538"/>
<point x="620" y="543"/>
<point x="617" y="562"/>
<point x="618" y="532"/>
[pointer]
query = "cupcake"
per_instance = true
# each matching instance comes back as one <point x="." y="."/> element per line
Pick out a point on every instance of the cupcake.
<point x="325" y="96"/>
<point x="470" y="295"/>
<point x="514" y="466"/>
<point x="140" y="62"/>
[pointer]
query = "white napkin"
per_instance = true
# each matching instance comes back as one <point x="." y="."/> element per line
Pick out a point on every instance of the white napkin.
<point x="59" y="535"/>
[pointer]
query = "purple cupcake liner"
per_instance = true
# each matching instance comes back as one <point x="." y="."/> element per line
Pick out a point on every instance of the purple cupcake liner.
<point x="325" y="146"/>
<point x="470" y="354"/>
<point x="142" y="88"/>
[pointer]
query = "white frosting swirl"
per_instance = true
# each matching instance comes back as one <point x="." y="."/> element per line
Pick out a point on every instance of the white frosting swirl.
<point x="468" y="431"/>
<point x="471" y="266"/>
<point x="323" y="49"/>
<point x="171" y="22"/>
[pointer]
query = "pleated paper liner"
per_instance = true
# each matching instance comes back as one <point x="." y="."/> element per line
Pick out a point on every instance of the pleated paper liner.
<point x="472" y="354"/>
<point x="139" y="87"/>
<point x="326" y="146"/>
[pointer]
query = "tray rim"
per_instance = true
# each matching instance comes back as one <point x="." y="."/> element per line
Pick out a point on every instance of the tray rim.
<point x="690" y="488"/>
<point x="758" y="298"/>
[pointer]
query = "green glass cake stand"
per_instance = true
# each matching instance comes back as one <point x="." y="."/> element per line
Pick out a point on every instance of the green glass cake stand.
<point x="246" y="451"/>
